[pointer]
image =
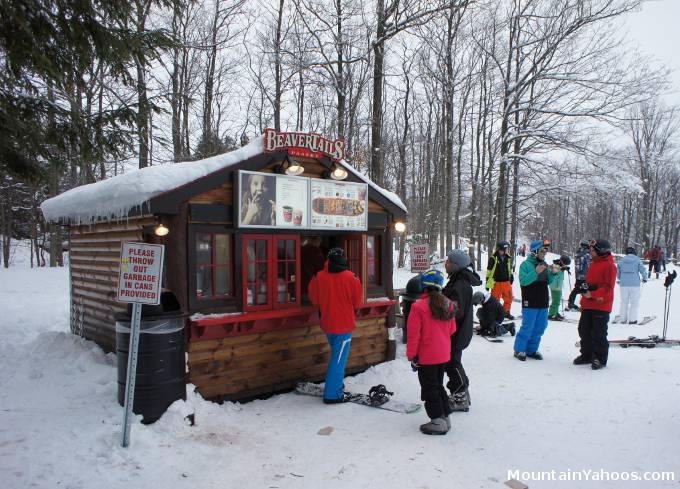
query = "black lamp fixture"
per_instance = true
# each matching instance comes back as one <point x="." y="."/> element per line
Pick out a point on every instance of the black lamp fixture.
<point x="337" y="172"/>
<point x="290" y="166"/>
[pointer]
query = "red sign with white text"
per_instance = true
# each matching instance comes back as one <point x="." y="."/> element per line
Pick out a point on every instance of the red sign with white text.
<point x="304" y="144"/>
<point x="140" y="272"/>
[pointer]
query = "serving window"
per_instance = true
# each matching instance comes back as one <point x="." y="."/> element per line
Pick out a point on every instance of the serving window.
<point x="211" y="263"/>
<point x="373" y="262"/>
<point x="271" y="271"/>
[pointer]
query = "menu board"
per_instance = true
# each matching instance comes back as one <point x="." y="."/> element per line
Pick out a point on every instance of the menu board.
<point x="267" y="200"/>
<point x="341" y="205"/>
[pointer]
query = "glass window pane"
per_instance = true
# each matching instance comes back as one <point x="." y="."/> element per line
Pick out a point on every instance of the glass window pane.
<point x="281" y="250"/>
<point x="203" y="245"/>
<point x="281" y="271"/>
<point x="291" y="249"/>
<point x="204" y="281"/>
<point x="222" y="249"/>
<point x="261" y="250"/>
<point x="261" y="293"/>
<point x="222" y="281"/>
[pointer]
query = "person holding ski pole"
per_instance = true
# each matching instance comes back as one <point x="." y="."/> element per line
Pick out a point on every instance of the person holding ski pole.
<point x="535" y="278"/>
<point x="630" y="271"/>
<point x="459" y="289"/>
<point x="596" y="305"/>
<point x="432" y="321"/>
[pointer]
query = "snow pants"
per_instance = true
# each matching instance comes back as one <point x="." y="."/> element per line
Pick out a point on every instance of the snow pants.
<point x="654" y="266"/>
<point x="458" y="379"/>
<point x="503" y="290"/>
<point x="432" y="392"/>
<point x="335" y="373"/>
<point x="534" y="322"/>
<point x="592" y="328"/>
<point x="555" y="304"/>
<point x="575" y="291"/>
<point x="630" y="301"/>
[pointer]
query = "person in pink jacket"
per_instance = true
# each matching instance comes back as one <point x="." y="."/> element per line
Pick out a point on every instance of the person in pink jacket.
<point x="430" y="326"/>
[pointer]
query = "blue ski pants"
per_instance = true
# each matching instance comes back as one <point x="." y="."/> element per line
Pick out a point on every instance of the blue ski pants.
<point x="335" y="374"/>
<point x="534" y="322"/>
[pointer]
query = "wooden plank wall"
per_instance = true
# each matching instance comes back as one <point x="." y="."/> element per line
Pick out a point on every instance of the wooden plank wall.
<point x="95" y="255"/>
<point x="244" y="366"/>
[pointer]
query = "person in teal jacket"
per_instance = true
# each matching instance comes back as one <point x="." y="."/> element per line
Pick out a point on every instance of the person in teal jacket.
<point x="535" y="278"/>
<point x="559" y="266"/>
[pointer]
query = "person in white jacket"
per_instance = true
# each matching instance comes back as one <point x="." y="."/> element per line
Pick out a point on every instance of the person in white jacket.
<point x="630" y="272"/>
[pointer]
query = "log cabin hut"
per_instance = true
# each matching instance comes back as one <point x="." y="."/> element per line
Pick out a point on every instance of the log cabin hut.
<point x="244" y="232"/>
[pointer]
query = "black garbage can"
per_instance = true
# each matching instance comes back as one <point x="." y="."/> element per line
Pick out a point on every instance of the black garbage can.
<point x="161" y="371"/>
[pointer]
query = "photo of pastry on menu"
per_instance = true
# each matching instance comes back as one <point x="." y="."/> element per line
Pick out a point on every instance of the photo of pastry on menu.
<point x="339" y="205"/>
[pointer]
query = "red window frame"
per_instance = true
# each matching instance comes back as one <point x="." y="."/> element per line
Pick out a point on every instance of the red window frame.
<point x="353" y="251"/>
<point x="273" y="262"/>
<point x="213" y="266"/>
<point x="374" y="261"/>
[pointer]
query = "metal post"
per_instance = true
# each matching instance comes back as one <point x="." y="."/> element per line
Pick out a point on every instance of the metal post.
<point x="131" y="371"/>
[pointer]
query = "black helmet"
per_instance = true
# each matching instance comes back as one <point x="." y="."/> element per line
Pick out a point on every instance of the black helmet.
<point x="566" y="261"/>
<point x="631" y="251"/>
<point x="503" y="245"/>
<point x="413" y="289"/>
<point x="584" y="243"/>
<point x="601" y="246"/>
<point x="478" y="298"/>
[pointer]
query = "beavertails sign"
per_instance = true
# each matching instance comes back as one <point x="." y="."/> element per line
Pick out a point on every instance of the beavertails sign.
<point x="139" y="276"/>
<point x="304" y="144"/>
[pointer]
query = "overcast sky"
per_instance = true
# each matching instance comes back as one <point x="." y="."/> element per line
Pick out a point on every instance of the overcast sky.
<point x="656" y="28"/>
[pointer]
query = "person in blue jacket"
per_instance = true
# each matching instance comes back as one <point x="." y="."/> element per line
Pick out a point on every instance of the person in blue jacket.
<point x="535" y="277"/>
<point x="630" y="272"/>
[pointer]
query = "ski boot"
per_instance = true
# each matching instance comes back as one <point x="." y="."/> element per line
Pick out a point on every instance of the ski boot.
<point x="581" y="360"/>
<point x="460" y="402"/>
<point x="536" y="355"/>
<point x="520" y="355"/>
<point x="509" y="316"/>
<point x="632" y="322"/>
<point x="573" y="307"/>
<point x="511" y="328"/>
<point x="436" y="426"/>
<point x="597" y="364"/>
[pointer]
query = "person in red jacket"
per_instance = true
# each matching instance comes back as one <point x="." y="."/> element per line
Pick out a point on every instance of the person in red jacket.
<point x="596" y="305"/>
<point x="431" y="323"/>
<point x="338" y="294"/>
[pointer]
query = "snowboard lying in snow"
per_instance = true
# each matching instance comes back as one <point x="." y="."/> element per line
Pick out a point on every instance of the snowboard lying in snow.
<point x="380" y="402"/>
<point x="644" y="320"/>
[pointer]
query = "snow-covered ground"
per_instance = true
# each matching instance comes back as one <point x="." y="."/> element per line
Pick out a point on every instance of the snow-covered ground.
<point x="60" y="422"/>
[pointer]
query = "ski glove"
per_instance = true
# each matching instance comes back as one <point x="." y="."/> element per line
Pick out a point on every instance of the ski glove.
<point x="414" y="364"/>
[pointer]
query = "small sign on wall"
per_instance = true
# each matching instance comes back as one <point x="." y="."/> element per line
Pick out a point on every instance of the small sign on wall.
<point x="139" y="276"/>
<point x="420" y="258"/>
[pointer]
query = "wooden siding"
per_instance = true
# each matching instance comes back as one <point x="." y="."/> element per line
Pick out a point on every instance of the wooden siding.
<point x="242" y="366"/>
<point x="95" y="256"/>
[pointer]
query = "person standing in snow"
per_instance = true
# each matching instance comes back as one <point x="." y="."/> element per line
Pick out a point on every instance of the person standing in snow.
<point x="582" y="263"/>
<point x="559" y="266"/>
<point x="408" y="297"/>
<point x="459" y="289"/>
<point x="630" y="271"/>
<point x="499" y="277"/>
<point x="535" y="278"/>
<point x="596" y="304"/>
<point x="654" y="256"/>
<point x="491" y="315"/>
<point x="338" y="294"/>
<point x="431" y="323"/>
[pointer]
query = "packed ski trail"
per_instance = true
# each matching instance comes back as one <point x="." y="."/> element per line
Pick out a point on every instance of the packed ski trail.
<point x="60" y="421"/>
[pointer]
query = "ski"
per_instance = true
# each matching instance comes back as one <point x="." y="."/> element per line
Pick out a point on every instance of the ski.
<point x="649" y="342"/>
<point x="492" y="339"/>
<point x="379" y="402"/>
<point x="646" y="320"/>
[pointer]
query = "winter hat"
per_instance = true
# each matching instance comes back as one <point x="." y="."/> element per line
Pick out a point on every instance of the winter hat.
<point x="413" y="289"/>
<point x="459" y="259"/>
<point x="563" y="260"/>
<point x="631" y="251"/>
<point x="584" y="243"/>
<point x="601" y="246"/>
<point x="336" y="260"/>
<point x="433" y="279"/>
<point x="538" y="244"/>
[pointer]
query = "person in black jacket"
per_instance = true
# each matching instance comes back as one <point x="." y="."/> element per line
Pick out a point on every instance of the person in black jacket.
<point x="491" y="315"/>
<point x="408" y="297"/>
<point x="459" y="289"/>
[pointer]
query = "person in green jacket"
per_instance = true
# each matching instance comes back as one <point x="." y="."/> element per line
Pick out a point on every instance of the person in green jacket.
<point x="559" y="266"/>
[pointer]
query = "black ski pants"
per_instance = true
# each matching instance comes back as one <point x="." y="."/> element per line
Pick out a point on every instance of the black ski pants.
<point x="592" y="328"/>
<point x="458" y="379"/>
<point x="574" y="292"/>
<point x="432" y="392"/>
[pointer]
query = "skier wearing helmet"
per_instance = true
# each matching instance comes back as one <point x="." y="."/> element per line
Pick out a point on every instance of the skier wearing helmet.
<point x="596" y="305"/>
<point x="582" y="263"/>
<point x="535" y="278"/>
<point x="459" y="289"/>
<point x="499" y="277"/>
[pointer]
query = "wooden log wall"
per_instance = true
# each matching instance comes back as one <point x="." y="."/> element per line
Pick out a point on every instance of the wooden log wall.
<point x="245" y="366"/>
<point x="95" y="256"/>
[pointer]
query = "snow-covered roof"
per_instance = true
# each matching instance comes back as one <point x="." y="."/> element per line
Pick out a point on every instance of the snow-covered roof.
<point x="115" y="197"/>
